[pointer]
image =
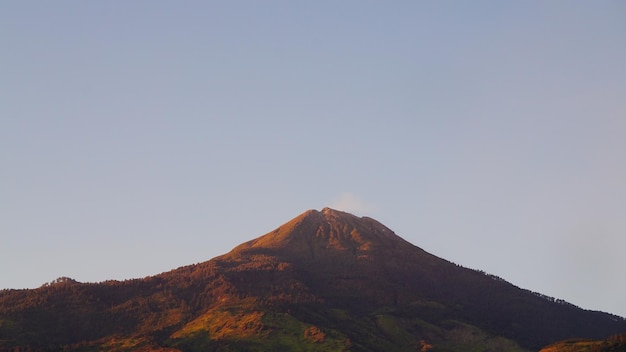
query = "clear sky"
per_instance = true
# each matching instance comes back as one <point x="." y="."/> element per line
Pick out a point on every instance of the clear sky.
<point x="140" y="136"/>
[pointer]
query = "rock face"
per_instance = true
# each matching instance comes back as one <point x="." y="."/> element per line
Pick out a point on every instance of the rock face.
<point x="324" y="281"/>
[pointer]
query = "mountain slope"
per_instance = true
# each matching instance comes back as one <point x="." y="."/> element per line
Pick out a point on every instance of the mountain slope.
<point x="615" y="343"/>
<point x="326" y="280"/>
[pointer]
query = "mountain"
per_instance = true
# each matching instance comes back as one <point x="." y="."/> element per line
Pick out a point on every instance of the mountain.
<point x="324" y="281"/>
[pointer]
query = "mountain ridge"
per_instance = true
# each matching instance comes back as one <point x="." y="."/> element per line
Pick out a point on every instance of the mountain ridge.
<point x="325" y="280"/>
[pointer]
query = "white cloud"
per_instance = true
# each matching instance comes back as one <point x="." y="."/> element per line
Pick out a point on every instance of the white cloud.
<point x="350" y="203"/>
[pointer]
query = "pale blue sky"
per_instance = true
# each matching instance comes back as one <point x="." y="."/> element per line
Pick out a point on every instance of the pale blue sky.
<point x="136" y="137"/>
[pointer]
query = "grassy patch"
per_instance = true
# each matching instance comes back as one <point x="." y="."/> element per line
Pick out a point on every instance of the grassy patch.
<point x="460" y="336"/>
<point x="233" y="330"/>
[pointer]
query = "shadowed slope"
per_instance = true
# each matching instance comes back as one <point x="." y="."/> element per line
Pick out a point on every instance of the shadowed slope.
<point x="359" y="263"/>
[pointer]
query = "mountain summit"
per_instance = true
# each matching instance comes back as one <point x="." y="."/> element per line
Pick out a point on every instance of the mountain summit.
<point x="315" y="233"/>
<point x="324" y="281"/>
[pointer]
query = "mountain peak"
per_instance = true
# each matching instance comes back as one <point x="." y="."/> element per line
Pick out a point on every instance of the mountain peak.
<point x="327" y="210"/>
<point x="328" y="230"/>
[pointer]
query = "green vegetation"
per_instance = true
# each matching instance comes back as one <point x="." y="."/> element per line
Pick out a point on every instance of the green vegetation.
<point x="235" y="330"/>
